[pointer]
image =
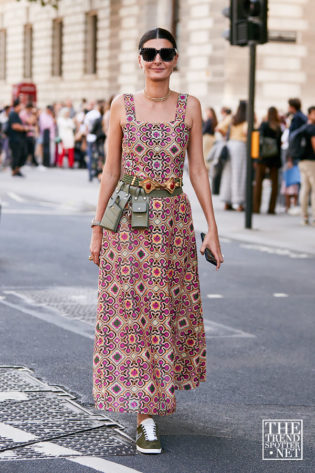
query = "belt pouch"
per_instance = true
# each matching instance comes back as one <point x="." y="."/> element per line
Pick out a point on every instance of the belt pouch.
<point x="139" y="211"/>
<point x="114" y="210"/>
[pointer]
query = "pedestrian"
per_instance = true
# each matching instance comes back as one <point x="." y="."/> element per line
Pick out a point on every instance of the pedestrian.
<point x="28" y="117"/>
<point x="298" y="117"/>
<point x="4" y="148"/>
<point x="47" y="131"/>
<point x="226" y="116"/>
<point x="17" y="139"/>
<point x="90" y="118"/>
<point x="269" y="159"/>
<point x="80" y="145"/>
<point x="66" y="129"/>
<point x="208" y="130"/>
<point x="232" y="187"/>
<point x="149" y="336"/>
<point x="290" y="188"/>
<point x="307" y="168"/>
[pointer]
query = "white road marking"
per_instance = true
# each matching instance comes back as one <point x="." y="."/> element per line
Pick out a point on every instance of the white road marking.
<point x="16" y="197"/>
<point x="221" y="330"/>
<point x="105" y="466"/>
<point x="225" y="240"/>
<point x="280" y="294"/>
<point x="215" y="296"/>
<point x="53" y="450"/>
<point x="275" y="251"/>
<point x="53" y="316"/>
<point x="14" y="395"/>
<point x="17" y="435"/>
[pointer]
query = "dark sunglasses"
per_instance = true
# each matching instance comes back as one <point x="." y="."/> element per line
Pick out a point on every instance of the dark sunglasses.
<point x="166" y="54"/>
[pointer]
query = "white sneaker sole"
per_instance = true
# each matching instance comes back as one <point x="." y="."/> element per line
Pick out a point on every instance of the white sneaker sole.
<point x="149" y="450"/>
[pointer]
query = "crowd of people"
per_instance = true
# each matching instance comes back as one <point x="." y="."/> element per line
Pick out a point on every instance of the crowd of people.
<point x="286" y="156"/>
<point x="45" y="137"/>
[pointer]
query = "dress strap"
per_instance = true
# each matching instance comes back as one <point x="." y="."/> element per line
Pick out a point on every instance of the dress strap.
<point x="130" y="107"/>
<point x="181" y="107"/>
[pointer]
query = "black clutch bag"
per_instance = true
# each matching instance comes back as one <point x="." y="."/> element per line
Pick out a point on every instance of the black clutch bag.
<point x="208" y="254"/>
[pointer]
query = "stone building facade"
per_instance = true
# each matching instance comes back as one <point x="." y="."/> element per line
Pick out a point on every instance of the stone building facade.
<point x="88" y="48"/>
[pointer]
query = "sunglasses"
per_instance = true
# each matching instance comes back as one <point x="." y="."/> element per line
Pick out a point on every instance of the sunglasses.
<point x="166" y="54"/>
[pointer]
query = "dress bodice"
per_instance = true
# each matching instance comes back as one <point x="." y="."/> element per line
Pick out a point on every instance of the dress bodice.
<point x="155" y="150"/>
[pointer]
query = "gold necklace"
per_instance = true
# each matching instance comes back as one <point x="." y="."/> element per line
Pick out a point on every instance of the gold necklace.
<point x="157" y="99"/>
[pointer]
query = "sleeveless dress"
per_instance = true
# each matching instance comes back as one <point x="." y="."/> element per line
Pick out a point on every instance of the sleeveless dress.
<point x="149" y="333"/>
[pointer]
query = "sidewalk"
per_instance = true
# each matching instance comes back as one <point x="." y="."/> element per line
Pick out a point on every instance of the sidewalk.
<point x="71" y="190"/>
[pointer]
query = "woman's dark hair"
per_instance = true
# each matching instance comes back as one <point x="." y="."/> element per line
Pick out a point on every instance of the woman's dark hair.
<point x="214" y="118"/>
<point x="240" y="116"/>
<point x="157" y="33"/>
<point x="273" y="118"/>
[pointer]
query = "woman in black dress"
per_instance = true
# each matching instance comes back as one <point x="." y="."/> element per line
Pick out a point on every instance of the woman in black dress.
<point x="270" y="130"/>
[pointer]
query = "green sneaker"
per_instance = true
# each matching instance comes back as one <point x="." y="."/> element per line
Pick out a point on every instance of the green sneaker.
<point x="148" y="440"/>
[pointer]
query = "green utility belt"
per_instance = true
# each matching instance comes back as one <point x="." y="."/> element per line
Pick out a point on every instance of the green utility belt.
<point x="139" y="205"/>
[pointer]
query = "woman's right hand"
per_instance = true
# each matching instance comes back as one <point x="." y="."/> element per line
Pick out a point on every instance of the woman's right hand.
<point x="96" y="244"/>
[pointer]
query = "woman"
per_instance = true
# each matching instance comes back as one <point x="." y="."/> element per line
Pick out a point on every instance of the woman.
<point x="208" y="130"/>
<point x="232" y="189"/>
<point x="66" y="129"/>
<point x="269" y="130"/>
<point x="150" y="338"/>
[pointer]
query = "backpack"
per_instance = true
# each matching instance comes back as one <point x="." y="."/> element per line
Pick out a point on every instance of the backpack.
<point x="297" y="143"/>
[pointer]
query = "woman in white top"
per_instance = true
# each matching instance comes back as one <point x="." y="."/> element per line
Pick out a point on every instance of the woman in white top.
<point x="66" y="129"/>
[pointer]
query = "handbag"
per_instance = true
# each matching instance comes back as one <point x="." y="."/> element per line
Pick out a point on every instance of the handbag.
<point x="292" y="176"/>
<point x="140" y="211"/>
<point x="114" y="209"/>
<point x="268" y="147"/>
<point x="224" y="155"/>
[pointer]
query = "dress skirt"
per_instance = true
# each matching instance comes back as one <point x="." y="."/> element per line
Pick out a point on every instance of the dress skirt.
<point x="149" y="333"/>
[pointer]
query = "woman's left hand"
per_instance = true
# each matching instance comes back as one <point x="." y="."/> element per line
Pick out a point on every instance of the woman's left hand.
<point x="212" y="242"/>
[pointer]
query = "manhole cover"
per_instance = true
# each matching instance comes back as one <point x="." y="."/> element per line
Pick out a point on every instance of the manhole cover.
<point x="73" y="302"/>
<point x="42" y="421"/>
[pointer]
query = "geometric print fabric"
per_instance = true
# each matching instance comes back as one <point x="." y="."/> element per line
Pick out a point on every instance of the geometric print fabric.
<point x="149" y="332"/>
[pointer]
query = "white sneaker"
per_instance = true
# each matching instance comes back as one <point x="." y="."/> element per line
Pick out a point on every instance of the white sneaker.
<point x="148" y="439"/>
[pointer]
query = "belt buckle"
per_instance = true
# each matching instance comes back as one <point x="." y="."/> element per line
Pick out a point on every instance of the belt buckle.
<point x="149" y="185"/>
<point x="170" y="184"/>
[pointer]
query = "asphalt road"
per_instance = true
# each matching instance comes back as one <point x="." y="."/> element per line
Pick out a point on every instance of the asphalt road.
<point x="258" y="311"/>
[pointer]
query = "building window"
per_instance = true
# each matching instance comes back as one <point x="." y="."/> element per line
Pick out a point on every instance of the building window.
<point x="3" y="54"/>
<point x="91" y="44"/>
<point x="28" y="51"/>
<point x="56" y="69"/>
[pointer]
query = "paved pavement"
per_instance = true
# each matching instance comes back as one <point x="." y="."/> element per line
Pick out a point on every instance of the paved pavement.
<point x="258" y="313"/>
<point x="72" y="191"/>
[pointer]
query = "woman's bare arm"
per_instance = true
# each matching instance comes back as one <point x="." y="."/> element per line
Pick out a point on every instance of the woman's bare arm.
<point x="199" y="178"/>
<point x="110" y="175"/>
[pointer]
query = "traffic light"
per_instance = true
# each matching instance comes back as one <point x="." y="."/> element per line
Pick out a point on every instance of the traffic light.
<point x="248" y="22"/>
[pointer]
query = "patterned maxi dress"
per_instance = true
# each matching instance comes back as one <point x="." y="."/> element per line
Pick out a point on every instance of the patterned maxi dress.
<point x="149" y="334"/>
